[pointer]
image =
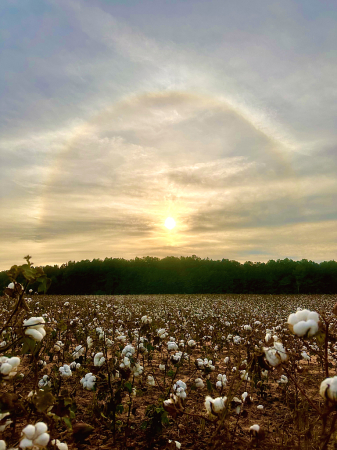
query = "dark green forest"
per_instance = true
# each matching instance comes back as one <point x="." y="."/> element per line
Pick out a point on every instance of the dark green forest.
<point x="189" y="275"/>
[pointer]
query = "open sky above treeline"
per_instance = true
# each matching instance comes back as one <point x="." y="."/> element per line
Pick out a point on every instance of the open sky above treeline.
<point x="116" y="115"/>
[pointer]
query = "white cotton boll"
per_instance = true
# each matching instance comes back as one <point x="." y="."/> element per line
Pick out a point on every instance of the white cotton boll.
<point x="218" y="404"/>
<point x="162" y="367"/>
<point x="254" y="429"/>
<point x="272" y="356"/>
<point x="226" y="360"/>
<point x="244" y="396"/>
<point x="172" y="346"/>
<point x="150" y="381"/>
<point x="302" y="315"/>
<point x="328" y="389"/>
<point x="281" y="351"/>
<point x="199" y="383"/>
<point x="312" y="327"/>
<point x="313" y="315"/>
<point x="5" y="368"/>
<point x="99" y="359"/>
<point x="292" y="319"/>
<point x="181" y="384"/>
<point x="11" y="286"/>
<point x="65" y="371"/>
<point x="305" y="356"/>
<point x="59" y="445"/>
<point x="40" y="428"/>
<point x="2" y="445"/>
<point x="26" y="443"/>
<point x="14" y="361"/>
<point x="42" y="440"/>
<point x="300" y="328"/>
<point x="29" y="431"/>
<point x="260" y="407"/>
<point x="34" y="322"/>
<point x="34" y="334"/>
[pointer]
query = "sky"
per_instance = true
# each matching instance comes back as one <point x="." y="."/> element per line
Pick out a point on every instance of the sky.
<point x="115" y="115"/>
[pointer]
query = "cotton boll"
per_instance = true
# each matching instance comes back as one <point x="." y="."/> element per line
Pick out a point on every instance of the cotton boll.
<point x="199" y="383"/>
<point x="40" y="428"/>
<point x="218" y="405"/>
<point x="313" y="315"/>
<point x="312" y="327"/>
<point x="5" y="368"/>
<point x="29" y="431"/>
<point x="34" y="334"/>
<point x="42" y="440"/>
<point x="26" y="443"/>
<point x="303" y="315"/>
<point x="300" y="328"/>
<point x="14" y="361"/>
<point x="328" y="389"/>
<point x="150" y="380"/>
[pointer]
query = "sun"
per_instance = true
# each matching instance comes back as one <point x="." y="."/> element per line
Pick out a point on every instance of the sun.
<point x="170" y="223"/>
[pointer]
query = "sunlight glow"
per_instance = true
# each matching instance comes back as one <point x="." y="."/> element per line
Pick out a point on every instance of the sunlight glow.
<point x="170" y="223"/>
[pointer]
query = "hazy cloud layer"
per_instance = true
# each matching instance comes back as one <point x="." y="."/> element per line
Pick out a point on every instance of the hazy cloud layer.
<point x="219" y="114"/>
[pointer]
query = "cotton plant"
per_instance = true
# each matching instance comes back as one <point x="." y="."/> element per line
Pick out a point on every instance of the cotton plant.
<point x="162" y="334"/>
<point x="35" y="436"/>
<point x="328" y="389"/>
<point x="59" y="445"/>
<point x="305" y="356"/>
<point x="283" y="380"/>
<point x="65" y="371"/>
<point x="191" y="343"/>
<point x="128" y="351"/>
<point x="150" y="381"/>
<point x="137" y="369"/>
<point x="176" y="443"/>
<point x="221" y="381"/>
<point x="205" y="364"/>
<point x="74" y="365"/>
<point x="78" y="352"/>
<point x="215" y="406"/>
<point x="90" y="342"/>
<point x="256" y="431"/>
<point x="34" y="328"/>
<point x="146" y="320"/>
<point x="88" y="381"/>
<point x="58" y="346"/>
<point x="9" y="366"/>
<point x="304" y="323"/>
<point x="44" y="382"/>
<point x="172" y="346"/>
<point x="178" y="357"/>
<point x="6" y="422"/>
<point x="199" y="384"/>
<point x="179" y="388"/>
<point x="99" y="359"/>
<point x="276" y="355"/>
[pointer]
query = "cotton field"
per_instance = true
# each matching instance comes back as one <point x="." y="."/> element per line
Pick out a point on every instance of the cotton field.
<point x="166" y="372"/>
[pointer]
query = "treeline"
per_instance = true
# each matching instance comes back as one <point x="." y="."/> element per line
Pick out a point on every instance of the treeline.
<point x="189" y="275"/>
